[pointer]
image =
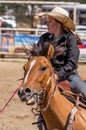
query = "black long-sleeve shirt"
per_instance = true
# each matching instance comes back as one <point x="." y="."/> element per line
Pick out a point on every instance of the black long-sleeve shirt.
<point x="66" y="53"/>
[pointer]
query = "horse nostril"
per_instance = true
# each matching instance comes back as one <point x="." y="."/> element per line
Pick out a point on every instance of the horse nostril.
<point x="27" y="90"/>
<point x="23" y="93"/>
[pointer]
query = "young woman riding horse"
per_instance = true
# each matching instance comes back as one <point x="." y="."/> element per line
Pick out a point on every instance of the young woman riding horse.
<point x="42" y="74"/>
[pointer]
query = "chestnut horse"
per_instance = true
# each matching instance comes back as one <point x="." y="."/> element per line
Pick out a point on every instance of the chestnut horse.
<point x="58" y="112"/>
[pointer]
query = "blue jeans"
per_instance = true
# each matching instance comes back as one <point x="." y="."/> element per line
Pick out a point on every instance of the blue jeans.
<point x="77" y="84"/>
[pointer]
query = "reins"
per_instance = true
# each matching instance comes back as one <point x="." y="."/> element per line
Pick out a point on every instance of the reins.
<point x="45" y="108"/>
<point x="3" y="108"/>
<point x="41" y="96"/>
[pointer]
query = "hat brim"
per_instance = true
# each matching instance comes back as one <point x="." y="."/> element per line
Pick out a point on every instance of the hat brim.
<point x="66" y="21"/>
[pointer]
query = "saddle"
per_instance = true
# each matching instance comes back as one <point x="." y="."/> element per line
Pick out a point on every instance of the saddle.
<point x="77" y="99"/>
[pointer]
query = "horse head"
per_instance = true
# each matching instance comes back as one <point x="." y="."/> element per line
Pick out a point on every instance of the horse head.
<point x="38" y="73"/>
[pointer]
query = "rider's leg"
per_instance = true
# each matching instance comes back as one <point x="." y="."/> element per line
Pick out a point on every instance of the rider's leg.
<point x="77" y="84"/>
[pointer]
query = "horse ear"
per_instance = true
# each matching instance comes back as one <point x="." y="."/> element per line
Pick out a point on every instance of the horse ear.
<point x="50" y="52"/>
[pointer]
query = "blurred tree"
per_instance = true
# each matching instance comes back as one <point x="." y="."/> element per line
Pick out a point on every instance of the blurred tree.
<point x="21" y="10"/>
<point x="2" y="8"/>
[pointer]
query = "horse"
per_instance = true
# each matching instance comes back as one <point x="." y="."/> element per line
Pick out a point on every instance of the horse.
<point x="58" y="112"/>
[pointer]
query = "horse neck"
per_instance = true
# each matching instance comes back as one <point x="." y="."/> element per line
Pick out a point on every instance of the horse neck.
<point x="59" y="106"/>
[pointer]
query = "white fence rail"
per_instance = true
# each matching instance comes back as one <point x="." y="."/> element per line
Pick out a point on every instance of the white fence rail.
<point x="32" y="31"/>
<point x="10" y="47"/>
<point x="81" y="34"/>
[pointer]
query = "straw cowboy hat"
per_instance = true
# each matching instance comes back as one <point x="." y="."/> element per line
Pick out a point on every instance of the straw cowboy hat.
<point x="62" y="16"/>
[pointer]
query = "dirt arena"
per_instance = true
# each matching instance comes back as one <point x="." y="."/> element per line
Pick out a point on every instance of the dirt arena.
<point x="17" y="115"/>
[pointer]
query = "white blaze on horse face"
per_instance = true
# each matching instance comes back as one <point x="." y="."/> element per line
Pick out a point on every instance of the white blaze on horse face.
<point x="31" y="65"/>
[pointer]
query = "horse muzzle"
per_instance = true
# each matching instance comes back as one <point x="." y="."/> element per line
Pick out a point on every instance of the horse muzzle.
<point x="26" y="95"/>
<point x="23" y="93"/>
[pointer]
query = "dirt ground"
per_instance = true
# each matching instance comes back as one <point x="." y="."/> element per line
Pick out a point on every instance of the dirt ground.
<point x="17" y="115"/>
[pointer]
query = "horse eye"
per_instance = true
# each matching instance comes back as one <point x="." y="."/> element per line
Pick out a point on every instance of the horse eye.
<point x="43" y="68"/>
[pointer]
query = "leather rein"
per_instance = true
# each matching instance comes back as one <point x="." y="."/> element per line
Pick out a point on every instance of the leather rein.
<point x="41" y="95"/>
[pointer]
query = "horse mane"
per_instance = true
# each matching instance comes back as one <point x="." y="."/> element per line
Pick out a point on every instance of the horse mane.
<point x="47" y="50"/>
<point x="34" y="50"/>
